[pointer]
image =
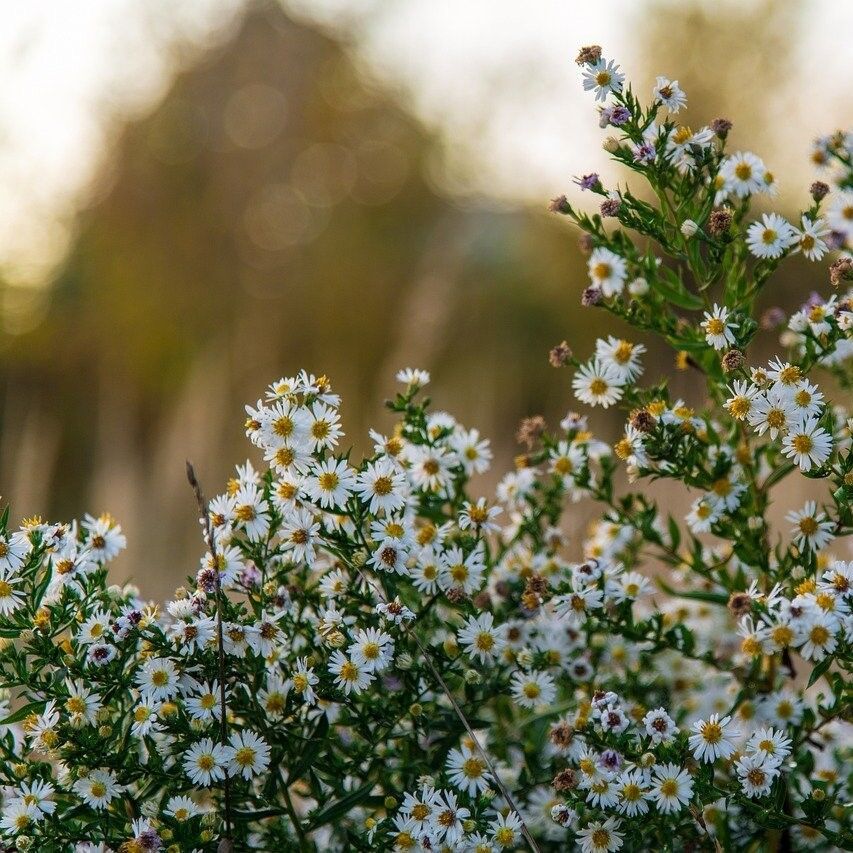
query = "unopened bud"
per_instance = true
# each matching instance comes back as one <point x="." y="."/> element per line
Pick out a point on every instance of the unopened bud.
<point x="689" y="228"/>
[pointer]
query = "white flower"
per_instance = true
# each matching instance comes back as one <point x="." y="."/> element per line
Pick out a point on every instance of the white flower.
<point x="103" y="538"/>
<point x="607" y="271"/>
<point x="743" y="395"/>
<point x="506" y="830"/>
<point x="413" y="377"/>
<point x="449" y="819"/>
<point x="205" y="704"/>
<point x="479" y="517"/>
<point x="670" y="94"/>
<point x="756" y="774"/>
<point x="818" y="638"/>
<point x="10" y="598"/>
<point x="660" y="727"/>
<point x="775" y="745"/>
<point x="671" y="788"/>
<point x="181" y="809"/>
<point x="718" y="328"/>
<point x="598" y="837"/>
<point x="382" y="486"/>
<point x="303" y="681"/>
<point x="808" y="444"/>
<point x="622" y="356"/>
<point x="299" y="533"/>
<point x="810" y="238"/>
<point x="688" y="228"/>
<point x="324" y="427"/>
<point x="250" y="512"/>
<point x="98" y="788"/>
<point x="811" y="528"/>
<point x="430" y="467"/>
<point x="839" y="214"/>
<point x="330" y="484"/>
<point x="13" y="551"/>
<point x="37" y="794"/>
<point x="704" y="513"/>
<point x="472" y="452"/>
<point x="744" y="173"/>
<point x="371" y="649"/>
<point x="603" y="77"/>
<point x="481" y="638"/>
<point x="467" y="771"/>
<point x="770" y="237"/>
<point x="349" y="676"/>
<point x="631" y="787"/>
<point x="531" y="689"/>
<point x="771" y="411"/>
<point x="247" y="754"/>
<point x="597" y="384"/>
<point x="806" y="400"/>
<point x="714" y="738"/>
<point x="204" y="762"/>
<point x="457" y="570"/>
<point x="17" y="817"/>
<point x="158" y="679"/>
<point x="682" y="146"/>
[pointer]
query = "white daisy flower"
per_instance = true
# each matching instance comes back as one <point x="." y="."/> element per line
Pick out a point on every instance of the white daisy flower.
<point x="812" y="529"/>
<point x="413" y="377"/>
<point x="13" y="551"/>
<point x="718" y="328"/>
<point x="382" y="486"/>
<point x="713" y="738"/>
<point x="372" y="649"/>
<point x="622" y="355"/>
<point x="670" y="94"/>
<point x="532" y="689"/>
<point x="98" y="788"/>
<point x="744" y="173"/>
<point x="660" y="727"/>
<point x="299" y="534"/>
<point x="250" y="512"/>
<point x="771" y="412"/>
<point x="810" y="238"/>
<point x="743" y="395"/>
<point x="158" y="679"/>
<point x="808" y="444"/>
<point x="770" y="237"/>
<point x="467" y="771"/>
<point x="349" y="676"/>
<point x="672" y="788"/>
<point x="633" y="793"/>
<point x="303" y="680"/>
<point x="330" y="483"/>
<point x="600" y="837"/>
<point x="819" y="637"/>
<point x="205" y="703"/>
<point x="806" y="400"/>
<point x="603" y="77"/>
<point x="472" y="452"/>
<point x="181" y="809"/>
<point x="481" y="638"/>
<point x="775" y="745"/>
<point x="607" y="271"/>
<point x="247" y="754"/>
<point x="205" y="762"/>
<point x="839" y="214"/>
<point x="10" y="598"/>
<point x="597" y="384"/>
<point x="756" y="774"/>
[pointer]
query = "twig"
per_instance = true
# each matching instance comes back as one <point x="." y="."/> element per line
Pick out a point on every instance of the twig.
<point x="220" y="643"/>
<point x="458" y="711"/>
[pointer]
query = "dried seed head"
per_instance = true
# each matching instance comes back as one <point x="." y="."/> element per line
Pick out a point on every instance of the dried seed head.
<point x="733" y="360"/>
<point x="721" y="126"/>
<point x="839" y="270"/>
<point x="560" y="354"/>
<point x="530" y="429"/>
<point x="565" y="780"/>
<point x="456" y="595"/>
<point x="719" y="221"/>
<point x="591" y="296"/>
<point x="739" y="604"/>
<point x="586" y="244"/>
<point x="643" y="420"/>
<point x="772" y="318"/>
<point x="819" y="190"/>
<point x="589" y="55"/>
<point x="610" y="207"/>
<point x="560" y="204"/>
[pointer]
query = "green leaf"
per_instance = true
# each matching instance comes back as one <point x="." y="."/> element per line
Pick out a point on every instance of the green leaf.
<point x="341" y="807"/>
<point x="674" y="533"/>
<point x="678" y="294"/>
<point x="695" y="595"/>
<point x="23" y="713"/>
<point x="311" y="751"/>
<point x="820" y="669"/>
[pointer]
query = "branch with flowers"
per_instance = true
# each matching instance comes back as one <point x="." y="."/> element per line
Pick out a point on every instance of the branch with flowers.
<point x="372" y="656"/>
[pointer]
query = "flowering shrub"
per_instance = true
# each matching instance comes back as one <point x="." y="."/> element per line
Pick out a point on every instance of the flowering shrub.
<point x="373" y="657"/>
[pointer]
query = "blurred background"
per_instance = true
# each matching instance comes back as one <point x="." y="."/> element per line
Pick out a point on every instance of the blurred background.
<point x="199" y="197"/>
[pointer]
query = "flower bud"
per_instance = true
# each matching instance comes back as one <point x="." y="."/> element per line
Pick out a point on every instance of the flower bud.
<point x="560" y="205"/>
<point x="819" y="190"/>
<point x="818" y="795"/>
<point x="105" y="731"/>
<point x="23" y="842"/>
<point x="719" y="221"/>
<point x="611" y="145"/>
<point x="689" y="228"/>
<point x="647" y="759"/>
<point x="638" y="287"/>
<point x="472" y="676"/>
<point x="469" y="825"/>
<point x="416" y="709"/>
<point x="721" y="127"/>
<point x="390" y="803"/>
<point x="451" y="647"/>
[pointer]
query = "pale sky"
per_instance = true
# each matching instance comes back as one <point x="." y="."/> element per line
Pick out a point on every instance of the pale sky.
<point x="494" y="77"/>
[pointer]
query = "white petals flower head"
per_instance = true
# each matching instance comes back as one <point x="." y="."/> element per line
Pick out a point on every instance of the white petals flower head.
<point x="812" y="529"/>
<point x="810" y="238"/>
<point x="603" y="77"/>
<point x="607" y="271"/>
<point x="770" y="237"/>
<point x="98" y="788"/>
<point x="670" y="94"/>
<point x="532" y="689"/>
<point x="205" y="762"/>
<point x="247" y="754"/>
<point x="413" y="377"/>
<point x="349" y="676"/>
<point x="672" y="788"/>
<point x="808" y="444"/>
<point x="714" y="738"/>
<point x="372" y="649"/>
<point x="481" y="638"/>
<point x="660" y="727"/>
<point x="331" y="483"/>
<point x="771" y="412"/>
<point x="776" y="745"/>
<point x="744" y="172"/>
<point x="718" y="328"/>
<point x="623" y="356"/>
<point x="10" y="597"/>
<point x="467" y="771"/>
<point x="600" y="837"/>
<point x="382" y="486"/>
<point x="13" y="551"/>
<point x="597" y="384"/>
<point x="756" y="773"/>
<point x="158" y="679"/>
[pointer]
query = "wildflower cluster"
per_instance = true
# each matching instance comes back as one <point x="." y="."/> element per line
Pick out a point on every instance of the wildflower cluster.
<point x="375" y="656"/>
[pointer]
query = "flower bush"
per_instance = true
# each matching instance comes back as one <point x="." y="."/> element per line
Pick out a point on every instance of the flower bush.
<point x="371" y="656"/>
